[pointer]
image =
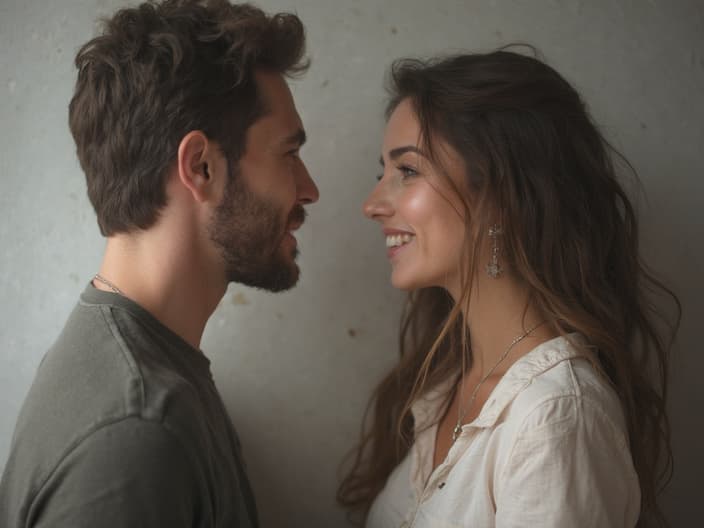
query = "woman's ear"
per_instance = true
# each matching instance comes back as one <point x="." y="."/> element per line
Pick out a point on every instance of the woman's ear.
<point x="193" y="160"/>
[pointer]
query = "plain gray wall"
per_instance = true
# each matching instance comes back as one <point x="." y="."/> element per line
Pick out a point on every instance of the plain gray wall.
<point x="296" y="369"/>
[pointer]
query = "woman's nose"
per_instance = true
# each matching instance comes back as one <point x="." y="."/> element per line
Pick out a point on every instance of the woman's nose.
<point x="377" y="204"/>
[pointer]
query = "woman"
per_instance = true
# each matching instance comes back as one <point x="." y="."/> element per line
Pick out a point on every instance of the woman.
<point x="531" y="385"/>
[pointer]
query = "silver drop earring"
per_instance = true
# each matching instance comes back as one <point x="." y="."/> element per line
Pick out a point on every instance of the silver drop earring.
<point x="493" y="269"/>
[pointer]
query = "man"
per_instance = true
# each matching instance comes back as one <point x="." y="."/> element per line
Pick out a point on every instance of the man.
<point x="189" y="139"/>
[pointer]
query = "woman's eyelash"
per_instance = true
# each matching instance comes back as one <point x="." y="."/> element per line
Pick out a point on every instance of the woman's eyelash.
<point x="407" y="171"/>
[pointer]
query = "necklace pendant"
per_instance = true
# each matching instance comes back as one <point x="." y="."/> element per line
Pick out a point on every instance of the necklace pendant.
<point x="456" y="431"/>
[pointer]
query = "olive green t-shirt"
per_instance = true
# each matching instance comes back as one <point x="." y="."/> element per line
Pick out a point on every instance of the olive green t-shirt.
<point x="123" y="427"/>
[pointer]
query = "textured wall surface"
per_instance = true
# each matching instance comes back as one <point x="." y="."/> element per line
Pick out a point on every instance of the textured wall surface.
<point x="296" y="369"/>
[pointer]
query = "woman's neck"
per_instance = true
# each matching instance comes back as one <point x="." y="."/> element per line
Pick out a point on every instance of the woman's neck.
<point x="501" y="315"/>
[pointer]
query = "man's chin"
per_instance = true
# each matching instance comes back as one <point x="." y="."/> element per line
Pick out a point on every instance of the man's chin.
<point x="278" y="278"/>
<point x="283" y="282"/>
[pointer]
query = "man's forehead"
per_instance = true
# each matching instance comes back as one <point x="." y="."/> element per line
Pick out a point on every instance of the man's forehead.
<point x="280" y="124"/>
<point x="274" y="91"/>
<point x="280" y="127"/>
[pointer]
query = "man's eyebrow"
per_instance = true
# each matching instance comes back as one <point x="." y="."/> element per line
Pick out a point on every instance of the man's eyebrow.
<point x="298" y="138"/>
<point x="399" y="151"/>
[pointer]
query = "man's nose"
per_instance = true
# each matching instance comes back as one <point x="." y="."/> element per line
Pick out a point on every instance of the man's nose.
<point x="307" y="189"/>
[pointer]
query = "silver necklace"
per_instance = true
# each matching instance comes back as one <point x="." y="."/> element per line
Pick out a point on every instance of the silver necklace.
<point x="107" y="283"/>
<point x="460" y="413"/>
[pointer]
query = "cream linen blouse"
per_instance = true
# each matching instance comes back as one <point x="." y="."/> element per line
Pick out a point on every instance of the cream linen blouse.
<point x="548" y="449"/>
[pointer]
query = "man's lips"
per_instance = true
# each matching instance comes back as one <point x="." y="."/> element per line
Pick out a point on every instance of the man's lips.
<point x="295" y="221"/>
<point x="296" y="218"/>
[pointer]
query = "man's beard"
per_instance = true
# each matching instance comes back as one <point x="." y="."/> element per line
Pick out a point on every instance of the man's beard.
<point x="249" y="231"/>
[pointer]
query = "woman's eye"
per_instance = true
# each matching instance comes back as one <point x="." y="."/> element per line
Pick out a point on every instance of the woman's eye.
<point x="407" y="172"/>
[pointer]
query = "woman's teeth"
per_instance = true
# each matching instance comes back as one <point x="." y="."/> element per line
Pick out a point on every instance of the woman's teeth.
<point x="398" y="240"/>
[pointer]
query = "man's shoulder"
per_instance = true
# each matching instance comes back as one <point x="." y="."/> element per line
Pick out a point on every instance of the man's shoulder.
<point x="85" y="378"/>
<point x="108" y="363"/>
<point x="95" y="379"/>
<point x="127" y="468"/>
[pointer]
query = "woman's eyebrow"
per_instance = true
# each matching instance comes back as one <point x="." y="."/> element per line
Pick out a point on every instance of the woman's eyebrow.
<point x="399" y="151"/>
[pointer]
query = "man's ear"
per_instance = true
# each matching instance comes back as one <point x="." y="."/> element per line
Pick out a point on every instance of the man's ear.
<point x="195" y="163"/>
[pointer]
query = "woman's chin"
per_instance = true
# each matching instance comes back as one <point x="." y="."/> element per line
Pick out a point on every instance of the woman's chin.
<point x="400" y="282"/>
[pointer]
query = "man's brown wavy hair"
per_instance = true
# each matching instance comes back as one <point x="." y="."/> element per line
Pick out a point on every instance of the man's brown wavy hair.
<point x="158" y="71"/>
<point x="570" y="234"/>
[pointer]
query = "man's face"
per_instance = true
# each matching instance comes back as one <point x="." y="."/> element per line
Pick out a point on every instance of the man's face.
<point x="263" y="201"/>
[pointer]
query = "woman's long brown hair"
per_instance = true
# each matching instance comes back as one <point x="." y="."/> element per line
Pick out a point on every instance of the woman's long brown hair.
<point x="532" y="154"/>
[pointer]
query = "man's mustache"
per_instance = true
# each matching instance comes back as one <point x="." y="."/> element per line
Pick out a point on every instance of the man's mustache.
<point x="297" y="216"/>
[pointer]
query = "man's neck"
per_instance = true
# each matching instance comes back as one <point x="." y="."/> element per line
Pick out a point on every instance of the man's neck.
<point x="165" y="278"/>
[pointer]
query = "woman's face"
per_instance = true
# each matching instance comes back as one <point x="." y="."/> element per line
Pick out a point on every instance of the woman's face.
<point x="420" y="214"/>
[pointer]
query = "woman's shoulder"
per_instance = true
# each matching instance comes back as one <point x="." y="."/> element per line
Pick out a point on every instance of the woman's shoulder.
<point x="565" y="397"/>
